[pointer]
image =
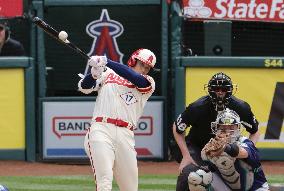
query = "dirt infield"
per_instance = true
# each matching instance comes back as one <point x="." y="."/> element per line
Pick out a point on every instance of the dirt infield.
<point x="21" y="168"/>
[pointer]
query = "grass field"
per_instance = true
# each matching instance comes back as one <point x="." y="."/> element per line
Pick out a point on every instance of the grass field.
<point x="85" y="183"/>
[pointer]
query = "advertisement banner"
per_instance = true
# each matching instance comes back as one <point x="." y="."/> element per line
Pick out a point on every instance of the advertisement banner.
<point x="247" y="10"/>
<point x="262" y="88"/>
<point x="65" y="125"/>
<point x="11" y="8"/>
<point x="12" y="112"/>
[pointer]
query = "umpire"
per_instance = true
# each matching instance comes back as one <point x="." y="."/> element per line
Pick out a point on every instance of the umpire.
<point x="199" y="115"/>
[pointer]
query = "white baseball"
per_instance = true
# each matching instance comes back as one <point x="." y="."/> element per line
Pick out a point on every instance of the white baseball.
<point x="63" y="35"/>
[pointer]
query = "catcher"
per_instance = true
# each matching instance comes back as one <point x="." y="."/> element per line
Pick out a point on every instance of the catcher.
<point x="232" y="159"/>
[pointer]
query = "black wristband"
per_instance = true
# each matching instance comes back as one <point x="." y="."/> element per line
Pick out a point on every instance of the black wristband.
<point x="232" y="149"/>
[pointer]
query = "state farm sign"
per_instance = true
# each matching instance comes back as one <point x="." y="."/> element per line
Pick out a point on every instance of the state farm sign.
<point x="250" y="10"/>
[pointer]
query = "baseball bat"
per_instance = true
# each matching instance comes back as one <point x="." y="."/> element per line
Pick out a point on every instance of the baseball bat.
<point x="54" y="33"/>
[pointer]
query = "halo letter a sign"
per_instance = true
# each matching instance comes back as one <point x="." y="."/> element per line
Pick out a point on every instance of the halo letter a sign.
<point x="105" y="31"/>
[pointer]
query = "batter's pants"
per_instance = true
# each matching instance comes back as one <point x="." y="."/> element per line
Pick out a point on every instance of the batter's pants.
<point x="111" y="152"/>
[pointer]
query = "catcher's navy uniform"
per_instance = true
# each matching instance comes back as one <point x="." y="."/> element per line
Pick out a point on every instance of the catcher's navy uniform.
<point x="240" y="174"/>
<point x="231" y="173"/>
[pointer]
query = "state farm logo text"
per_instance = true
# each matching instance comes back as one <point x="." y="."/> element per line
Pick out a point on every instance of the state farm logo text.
<point x="267" y="10"/>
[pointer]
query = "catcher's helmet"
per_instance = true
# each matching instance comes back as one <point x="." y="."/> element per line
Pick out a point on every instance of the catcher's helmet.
<point x="144" y="55"/>
<point x="228" y="121"/>
<point x="220" y="82"/>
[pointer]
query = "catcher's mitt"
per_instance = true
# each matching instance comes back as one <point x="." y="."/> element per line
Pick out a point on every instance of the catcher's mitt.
<point x="216" y="145"/>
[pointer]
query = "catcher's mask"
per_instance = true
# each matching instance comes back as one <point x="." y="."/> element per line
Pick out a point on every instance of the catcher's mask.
<point x="220" y="89"/>
<point x="227" y="121"/>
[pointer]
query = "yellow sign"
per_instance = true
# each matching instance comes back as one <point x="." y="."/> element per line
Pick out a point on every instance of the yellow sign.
<point x="257" y="86"/>
<point x="12" y="112"/>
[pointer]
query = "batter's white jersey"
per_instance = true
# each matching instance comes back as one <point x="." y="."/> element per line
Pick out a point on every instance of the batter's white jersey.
<point x="120" y="99"/>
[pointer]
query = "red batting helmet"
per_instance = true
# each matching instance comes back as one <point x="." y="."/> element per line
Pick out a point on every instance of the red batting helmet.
<point x="144" y="55"/>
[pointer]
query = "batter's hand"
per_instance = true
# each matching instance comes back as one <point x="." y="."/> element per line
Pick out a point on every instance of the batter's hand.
<point x="97" y="72"/>
<point x="97" y="61"/>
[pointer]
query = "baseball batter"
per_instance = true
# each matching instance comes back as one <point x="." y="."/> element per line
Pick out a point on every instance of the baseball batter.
<point x="122" y="94"/>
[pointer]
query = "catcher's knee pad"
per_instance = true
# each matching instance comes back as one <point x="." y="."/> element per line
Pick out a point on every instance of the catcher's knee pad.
<point x="194" y="178"/>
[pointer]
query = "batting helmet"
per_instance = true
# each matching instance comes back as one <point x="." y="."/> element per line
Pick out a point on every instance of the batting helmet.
<point x="3" y="188"/>
<point x="144" y="55"/>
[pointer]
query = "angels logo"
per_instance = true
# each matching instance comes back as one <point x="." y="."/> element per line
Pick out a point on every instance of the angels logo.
<point x="105" y="31"/>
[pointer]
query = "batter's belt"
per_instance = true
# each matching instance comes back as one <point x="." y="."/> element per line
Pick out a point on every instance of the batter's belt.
<point x="116" y="122"/>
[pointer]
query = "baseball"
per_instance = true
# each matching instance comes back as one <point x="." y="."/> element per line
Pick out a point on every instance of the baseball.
<point x="63" y="35"/>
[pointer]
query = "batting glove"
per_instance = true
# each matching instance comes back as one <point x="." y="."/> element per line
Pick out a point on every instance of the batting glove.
<point x="97" y="72"/>
<point x="97" y="61"/>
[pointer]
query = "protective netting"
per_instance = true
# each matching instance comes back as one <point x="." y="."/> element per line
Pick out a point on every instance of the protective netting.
<point x="247" y="38"/>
